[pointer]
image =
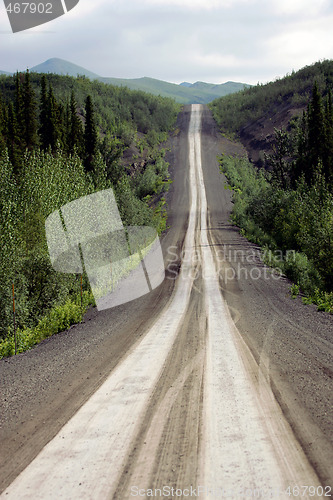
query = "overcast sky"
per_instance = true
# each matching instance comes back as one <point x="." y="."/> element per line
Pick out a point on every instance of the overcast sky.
<point x="179" y="40"/>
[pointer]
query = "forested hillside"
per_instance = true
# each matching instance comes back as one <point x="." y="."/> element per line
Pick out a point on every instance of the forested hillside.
<point x="253" y="114"/>
<point x="285" y="201"/>
<point x="62" y="138"/>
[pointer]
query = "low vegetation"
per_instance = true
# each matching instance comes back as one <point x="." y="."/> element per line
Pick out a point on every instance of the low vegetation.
<point x="57" y="319"/>
<point x="293" y="226"/>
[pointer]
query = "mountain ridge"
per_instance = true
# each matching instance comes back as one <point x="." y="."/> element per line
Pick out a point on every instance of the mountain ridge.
<point x="190" y="93"/>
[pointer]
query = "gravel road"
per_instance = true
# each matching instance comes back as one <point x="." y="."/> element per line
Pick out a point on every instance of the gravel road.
<point x="215" y="378"/>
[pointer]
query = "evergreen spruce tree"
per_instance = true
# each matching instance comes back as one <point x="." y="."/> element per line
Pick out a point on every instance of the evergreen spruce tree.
<point x="43" y="116"/>
<point x="66" y="127"/>
<point x="302" y="164"/>
<point x="53" y="132"/>
<point x="62" y="125"/>
<point x="19" y="110"/>
<point x="112" y="149"/>
<point x="314" y="148"/>
<point x="51" y="121"/>
<point x="3" y="125"/>
<point x="279" y="160"/>
<point x="52" y="129"/>
<point x="29" y="113"/>
<point x="90" y="135"/>
<point x="316" y="141"/>
<point x="13" y="140"/>
<point x="328" y="144"/>
<point x="75" y="130"/>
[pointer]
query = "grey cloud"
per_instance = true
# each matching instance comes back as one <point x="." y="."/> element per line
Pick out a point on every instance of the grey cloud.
<point x="167" y="42"/>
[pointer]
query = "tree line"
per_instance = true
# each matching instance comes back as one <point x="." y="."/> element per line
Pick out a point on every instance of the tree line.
<point x="26" y="124"/>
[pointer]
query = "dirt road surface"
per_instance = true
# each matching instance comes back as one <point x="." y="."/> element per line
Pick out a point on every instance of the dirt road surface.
<point x="216" y="384"/>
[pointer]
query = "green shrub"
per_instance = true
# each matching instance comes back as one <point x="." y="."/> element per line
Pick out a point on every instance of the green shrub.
<point x="298" y="222"/>
<point x="301" y="270"/>
<point x="58" y="319"/>
<point x="147" y="183"/>
<point x="294" y="290"/>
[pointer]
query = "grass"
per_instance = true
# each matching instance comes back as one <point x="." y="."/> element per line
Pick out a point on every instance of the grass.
<point x="58" y="319"/>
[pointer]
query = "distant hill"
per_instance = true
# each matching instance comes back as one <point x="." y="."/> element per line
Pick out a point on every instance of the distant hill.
<point x="193" y="94"/>
<point x="4" y="72"/>
<point x="62" y="67"/>
<point x="185" y="93"/>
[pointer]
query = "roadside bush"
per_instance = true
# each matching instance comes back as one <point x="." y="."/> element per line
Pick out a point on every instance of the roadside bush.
<point x="147" y="183"/>
<point x="160" y="217"/>
<point x="44" y="286"/>
<point x="162" y="168"/>
<point x="134" y="212"/>
<point x="58" y="319"/>
<point x="154" y="179"/>
<point x="302" y="271"/>
<point x="298" y="222"/>
<point x="323" y="300"/>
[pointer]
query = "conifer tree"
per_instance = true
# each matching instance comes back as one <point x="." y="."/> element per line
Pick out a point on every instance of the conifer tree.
<point x="301" y="163"/>
<point x="43" y="116"/>
<point x="316" y="128"/>
<point x="13" y="139"/>
<point x="75" y="130"/>
<point x="279" y="160"/>
<point x="312" y="144"/>
<point x="328" y="159"/>
<point x="52" y="119"/>
<point x="90" y="135"/>
<point x="3" y="125"/>
<point x="29" y="113"/>
<point x="62" y="125"/>
<point x="19" y="110"/>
